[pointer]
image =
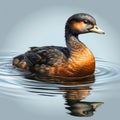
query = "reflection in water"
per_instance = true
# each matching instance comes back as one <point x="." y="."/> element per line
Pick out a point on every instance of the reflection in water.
<point x="83" y="109"/>
<point x="74" y="102"/>
<point x="74" y="94"/>
<point x="75" y="91"/>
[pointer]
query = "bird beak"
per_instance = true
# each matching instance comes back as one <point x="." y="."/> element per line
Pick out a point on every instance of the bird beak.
<point x="96" y="29"/>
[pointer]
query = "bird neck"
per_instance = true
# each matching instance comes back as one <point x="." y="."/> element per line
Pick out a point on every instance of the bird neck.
<point x="72" y="41"/>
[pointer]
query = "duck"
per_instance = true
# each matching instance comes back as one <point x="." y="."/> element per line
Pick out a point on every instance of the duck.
<point x="74" y="60"/>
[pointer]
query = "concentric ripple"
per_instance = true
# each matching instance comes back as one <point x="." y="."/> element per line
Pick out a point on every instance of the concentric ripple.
<point x="21" y="83"/>
<point x="106" y="71"/>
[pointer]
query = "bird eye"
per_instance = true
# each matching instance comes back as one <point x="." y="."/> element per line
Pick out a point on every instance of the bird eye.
<point x="86" y="21"/>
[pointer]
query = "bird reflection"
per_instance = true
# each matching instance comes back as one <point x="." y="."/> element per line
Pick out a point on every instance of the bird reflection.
<point x="75" y="91"/>
<point x="74" y="96"/>
<point x="74" y="102"/>
<point x="84" y="109"/>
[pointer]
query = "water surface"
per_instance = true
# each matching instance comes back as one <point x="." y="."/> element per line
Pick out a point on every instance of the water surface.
<point x="72" y="98"/>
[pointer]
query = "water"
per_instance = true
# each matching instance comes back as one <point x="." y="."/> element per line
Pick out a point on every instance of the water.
<point x="72" y="98"/>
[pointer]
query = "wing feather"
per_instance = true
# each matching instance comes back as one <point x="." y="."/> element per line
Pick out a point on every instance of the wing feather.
<point x="50" y="55"/>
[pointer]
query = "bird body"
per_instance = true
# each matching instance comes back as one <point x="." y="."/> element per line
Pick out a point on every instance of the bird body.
<point x="75" y="60"/>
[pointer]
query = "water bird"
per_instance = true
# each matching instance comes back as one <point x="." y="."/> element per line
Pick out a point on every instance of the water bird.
<point x="75" y="60"/>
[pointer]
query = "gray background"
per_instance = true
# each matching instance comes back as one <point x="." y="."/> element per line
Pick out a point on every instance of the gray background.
<point x="25" y="23"/>
<point x="41" y="22"/>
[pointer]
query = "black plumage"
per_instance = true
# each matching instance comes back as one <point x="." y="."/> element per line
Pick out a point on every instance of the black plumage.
<point x="48" y="55"/>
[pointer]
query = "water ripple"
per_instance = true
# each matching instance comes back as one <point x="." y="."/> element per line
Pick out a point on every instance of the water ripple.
<point x="21" y="83"/>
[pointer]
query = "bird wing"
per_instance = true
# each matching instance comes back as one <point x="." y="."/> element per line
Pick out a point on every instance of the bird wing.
<point x="48" y="55"/>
